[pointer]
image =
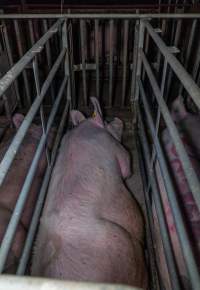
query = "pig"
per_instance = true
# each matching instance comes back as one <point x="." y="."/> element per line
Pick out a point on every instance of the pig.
<point x="91" y="228"/>
<point x="187" y="125"/>
<point x="13" y="182"/>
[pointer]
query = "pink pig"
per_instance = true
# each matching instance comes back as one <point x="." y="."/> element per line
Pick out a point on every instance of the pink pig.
<point x="12" y="185"/>
<point x="91" y="228"/>
<point x="188" y="127"/>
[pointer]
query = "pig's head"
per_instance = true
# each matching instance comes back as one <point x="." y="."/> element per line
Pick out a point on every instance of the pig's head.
<point x="178" y="110"/>
<point x="115" y="127"/>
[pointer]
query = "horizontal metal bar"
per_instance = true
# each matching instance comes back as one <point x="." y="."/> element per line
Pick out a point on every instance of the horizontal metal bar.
<point x="34" y="222"/>
<point x="88" y="66"/>
<point x="13" y="223"/>
<point x="13" y="73"/>
<point x="190" y="174"/>
<point x="13" y="148"/>
<point x="174" y="205"/>
<point x="103" y="16"/>
<point x="169" y="256"/>
<point x="185" y="78"/>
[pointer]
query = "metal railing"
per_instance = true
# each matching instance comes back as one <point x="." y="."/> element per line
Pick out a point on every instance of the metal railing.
<point x="135" y="67"/>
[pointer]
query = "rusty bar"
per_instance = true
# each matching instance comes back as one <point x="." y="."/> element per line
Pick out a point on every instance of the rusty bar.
<point x="24" y="73"/>
<point x="83" y="56"/>
<point x="111" y="50"/>
<point x="125" y="53"/>
<point x="96" y="23"/>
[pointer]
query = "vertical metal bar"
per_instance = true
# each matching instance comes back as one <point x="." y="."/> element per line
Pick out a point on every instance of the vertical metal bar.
<point x="32" y="38"/>
<point x="135" y="58"/>
<point x="10" y="58"/>
<point x="49" y="61"/>
<point x="96" y="22"/>
<point x="189" y="48"/>
<point x="83" y="56"/>
<point x="125" y="53"/>
<point x="24" y="73"/>
<point x="159" y="112"/>
<point x="37" y="84"/>
<point x="111" y="50"/>
<point x="67" y="67"/>
<point x="7" y="109"/>
<point x="139" y="59"/>
<point x="176" y="41"/>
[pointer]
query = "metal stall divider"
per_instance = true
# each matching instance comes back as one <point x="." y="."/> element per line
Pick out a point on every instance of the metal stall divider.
<point x="194" y="91"/>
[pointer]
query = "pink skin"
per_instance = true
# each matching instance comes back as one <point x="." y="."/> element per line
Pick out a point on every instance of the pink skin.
<point x="91" y="228"/>
<point x="187" y="125"/>
<point x="14" y="180"/>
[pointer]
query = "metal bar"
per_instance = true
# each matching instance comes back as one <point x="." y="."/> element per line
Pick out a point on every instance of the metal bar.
<point x="10" y="58"/>
<point x="135" y="59"/>
<point x="125" y="53"/>
<point x="83" y="47"/>
<point x="153" y="267"/>
<point x="49" y="60"/>
<point x="67" y="60"/>
<point x="139" y="59"/>
<point x="17" y="140"/>
<point x="24" y="73"/>
<point x="159" y="112"/>
<point x="36" y="215"/>
<point x="13" y="73"/>
<point x="189" y="48"/>
<point x="30" y="25"/>
<point x="37" y="84"/>
<point x="177" y="67"/>
<point x="176" y="42"/>
<point x="111" y="50"/>
<point x="174" y="205"/>
<point x="102" y="16"/>
<point x="185" y="161"/>
<point x="96" y="25"/>
<point x="168" y="251"/>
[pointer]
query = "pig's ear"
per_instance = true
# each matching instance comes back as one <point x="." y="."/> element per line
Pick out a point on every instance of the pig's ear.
<point x="97" y="114"/>
<point x="77" y="117"/>
<point x="17" y="120"/>
<point x="97" y="107"/>
<point x="115" y="128"/>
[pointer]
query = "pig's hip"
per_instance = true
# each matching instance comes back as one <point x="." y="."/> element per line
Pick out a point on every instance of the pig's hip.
<point x="96" y="251"/>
